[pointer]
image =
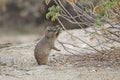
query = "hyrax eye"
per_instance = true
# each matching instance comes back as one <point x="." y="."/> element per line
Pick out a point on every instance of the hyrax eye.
<point x="54" y="30"/>
<point x="49" y="30"/>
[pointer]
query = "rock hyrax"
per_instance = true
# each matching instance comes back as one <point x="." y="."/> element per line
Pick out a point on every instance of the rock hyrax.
<point x="45" y="45"/>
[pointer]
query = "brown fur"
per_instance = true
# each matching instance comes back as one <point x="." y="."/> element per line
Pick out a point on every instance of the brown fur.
<point x="45" y="45"/>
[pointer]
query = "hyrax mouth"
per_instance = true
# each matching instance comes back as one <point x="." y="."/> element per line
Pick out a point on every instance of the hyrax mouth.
<point x="57" y="33"/>
<point x="55" y="30"/>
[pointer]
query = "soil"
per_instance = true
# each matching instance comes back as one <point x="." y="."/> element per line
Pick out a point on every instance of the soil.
<point x="17" y="61"/>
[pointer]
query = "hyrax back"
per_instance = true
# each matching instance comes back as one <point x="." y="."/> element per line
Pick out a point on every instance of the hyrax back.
<point x="45" y="45"/>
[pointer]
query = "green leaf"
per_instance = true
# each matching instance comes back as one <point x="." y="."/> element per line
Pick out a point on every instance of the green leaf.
<point x="48" y="15"/>
<point x="47" y="1"/>
<point x="98" y="22"/>
<point x="102" y="13"/>
<point x="53" y="13"/>
<point x="54" y="18"/>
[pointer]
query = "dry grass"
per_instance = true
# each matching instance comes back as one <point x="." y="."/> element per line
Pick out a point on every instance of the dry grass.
<point x="108" y="59"/>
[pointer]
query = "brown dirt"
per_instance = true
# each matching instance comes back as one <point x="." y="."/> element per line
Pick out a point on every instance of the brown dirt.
<point x="17" y="62"/>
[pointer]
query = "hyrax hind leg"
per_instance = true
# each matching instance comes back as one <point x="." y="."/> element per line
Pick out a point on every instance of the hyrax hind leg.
<point x="42" y="60"/>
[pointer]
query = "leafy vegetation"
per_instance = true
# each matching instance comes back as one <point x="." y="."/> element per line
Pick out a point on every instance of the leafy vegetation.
<point x="106" y="11"/>
<point x="53" y="13"/>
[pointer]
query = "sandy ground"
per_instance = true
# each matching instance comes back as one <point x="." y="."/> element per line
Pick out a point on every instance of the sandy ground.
<point x="17" y="62"/>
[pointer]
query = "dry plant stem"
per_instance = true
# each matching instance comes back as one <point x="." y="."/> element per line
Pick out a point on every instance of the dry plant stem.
<point x="118" y="3"/>
<point x="83" y="18"/>
<point x="70" y="44"/>
<point x="65" y="10"/>
<point x="102" y="42"/>
<point x="74" y="50"/>
<point x="65" y="48"/>
<point x="110" y="35"/>
<point x="100" y="45"/>
<point x="62" y="43"/>
<point x="77" y="37"/>
<point x="113" y="33"/>
<point x="112" y="39"/>
<point x="85" y="15"/>
<point x="69" y="19"/>
<point x="70" y="48"/>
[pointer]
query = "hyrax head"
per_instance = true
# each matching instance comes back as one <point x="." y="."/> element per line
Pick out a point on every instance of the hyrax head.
<point x="51" y="32"/>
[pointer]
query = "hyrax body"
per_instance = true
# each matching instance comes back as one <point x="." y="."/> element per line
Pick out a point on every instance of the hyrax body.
<point x="45" y="45"/>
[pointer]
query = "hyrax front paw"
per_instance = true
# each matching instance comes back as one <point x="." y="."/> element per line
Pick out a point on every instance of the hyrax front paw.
<point x="56" y="48"/>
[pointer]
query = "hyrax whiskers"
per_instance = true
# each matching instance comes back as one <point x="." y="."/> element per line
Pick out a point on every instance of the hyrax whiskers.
<point x="45" y="45"/>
